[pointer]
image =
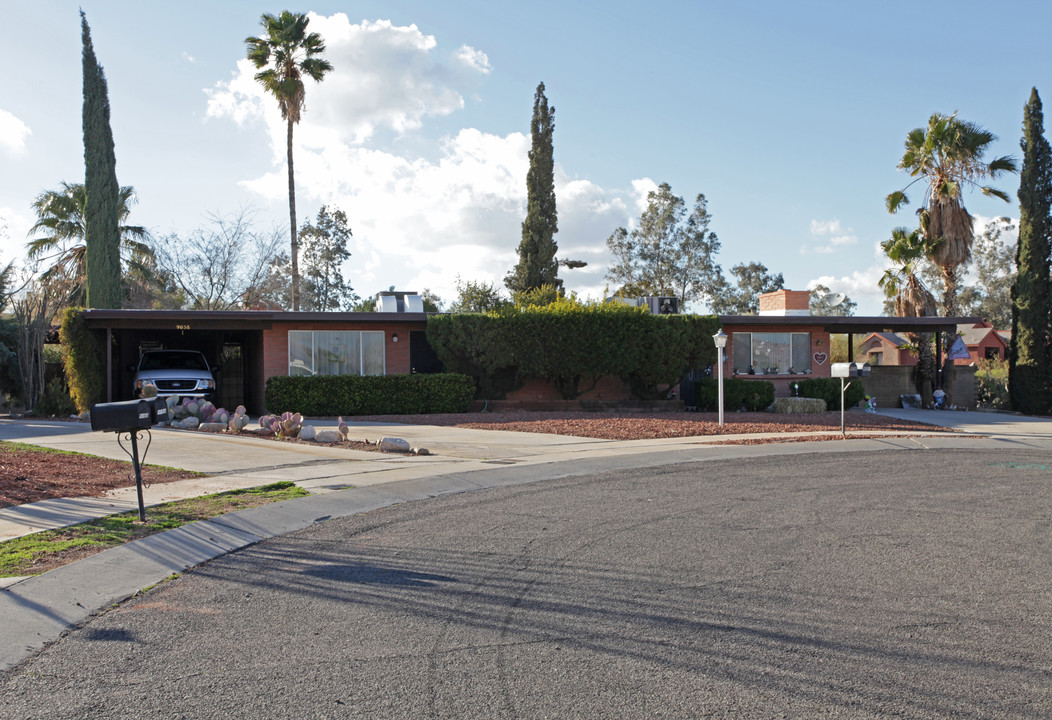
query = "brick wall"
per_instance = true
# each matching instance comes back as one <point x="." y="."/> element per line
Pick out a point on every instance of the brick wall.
<point x="396" y="354"/>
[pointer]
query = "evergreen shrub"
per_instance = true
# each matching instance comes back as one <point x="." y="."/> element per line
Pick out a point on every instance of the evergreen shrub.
<point x="333" y="395"/>
<point x="82" y="355"/>
<point x="828" y="389"/>
<point x="738" y="394"/>
<point x="573" y="345"/>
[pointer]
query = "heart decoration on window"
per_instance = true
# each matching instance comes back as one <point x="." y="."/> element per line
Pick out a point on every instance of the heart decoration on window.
<point x="820" y="358"/>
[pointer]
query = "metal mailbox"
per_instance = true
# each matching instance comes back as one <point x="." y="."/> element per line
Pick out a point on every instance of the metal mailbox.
<point x="845" y="370"/>
<point x="123" y="416"/>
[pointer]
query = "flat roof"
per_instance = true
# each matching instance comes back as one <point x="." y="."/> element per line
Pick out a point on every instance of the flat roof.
<point x="852" y="324"/>
<point x="240" y="319"/>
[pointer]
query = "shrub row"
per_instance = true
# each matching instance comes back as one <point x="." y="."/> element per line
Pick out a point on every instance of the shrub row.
<point x="755" y="395"/>
<point x="828" y="389"/>
<point x="738" y="394"/>
<point x="573" y="346"/>
<point x="332" y="395"/>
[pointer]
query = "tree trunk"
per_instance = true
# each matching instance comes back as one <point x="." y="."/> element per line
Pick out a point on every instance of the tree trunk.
<point x="925" y="368"/>
<point x="949" y="304"/>
<point x="292" y="229"/>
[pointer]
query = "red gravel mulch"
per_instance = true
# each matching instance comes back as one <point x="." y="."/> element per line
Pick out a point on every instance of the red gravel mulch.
<point x="639" y="426"/>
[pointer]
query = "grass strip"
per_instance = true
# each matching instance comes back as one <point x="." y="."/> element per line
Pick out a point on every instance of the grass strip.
<point x="42" y="551"/>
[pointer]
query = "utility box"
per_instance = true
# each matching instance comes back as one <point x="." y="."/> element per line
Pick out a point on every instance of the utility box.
<point x="123" y="416"/>
<point x="849" y="370"/>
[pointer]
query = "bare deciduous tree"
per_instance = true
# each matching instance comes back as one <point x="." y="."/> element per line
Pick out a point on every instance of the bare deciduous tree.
<point x="222" y="266"/>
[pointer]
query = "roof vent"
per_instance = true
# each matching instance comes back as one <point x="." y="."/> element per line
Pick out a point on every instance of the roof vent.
<point x="399" y="302"/>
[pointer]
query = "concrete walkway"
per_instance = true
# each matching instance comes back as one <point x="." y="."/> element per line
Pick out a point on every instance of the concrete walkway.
<point x="36" y="610"/>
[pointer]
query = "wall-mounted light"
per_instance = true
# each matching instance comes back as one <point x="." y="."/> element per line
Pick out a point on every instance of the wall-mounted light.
<point x="394" y="337"/>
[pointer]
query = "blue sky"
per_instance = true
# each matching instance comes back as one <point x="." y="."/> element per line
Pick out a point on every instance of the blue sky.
<point x="789" y="117"/>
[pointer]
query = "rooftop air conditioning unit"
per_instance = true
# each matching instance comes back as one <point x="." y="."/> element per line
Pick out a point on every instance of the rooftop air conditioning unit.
<point x="399" y="302"/>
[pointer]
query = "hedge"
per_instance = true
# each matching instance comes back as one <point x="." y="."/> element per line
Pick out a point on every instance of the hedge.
<point x="83" y="358"/>
<point x="333" y="395"/>
<point x="828" y="389"/>
<point x="752" y="395"/>
<point x="573" y="345"/>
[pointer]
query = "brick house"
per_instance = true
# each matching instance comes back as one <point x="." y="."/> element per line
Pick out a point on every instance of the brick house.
<point x="782" y="344"/>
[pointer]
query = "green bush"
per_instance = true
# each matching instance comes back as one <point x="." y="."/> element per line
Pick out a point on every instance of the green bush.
<point x="738" y="394"/>
<point x="54" y="400"/>
<point x="992" y="379"/>
<point x="573" y="345"/>
<point x="828" y="389"/>
<point x="332" y="395"/>
<point x="82" y="355"/>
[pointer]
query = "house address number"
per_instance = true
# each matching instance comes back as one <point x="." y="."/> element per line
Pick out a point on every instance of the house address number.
<point x="182" y="327"/>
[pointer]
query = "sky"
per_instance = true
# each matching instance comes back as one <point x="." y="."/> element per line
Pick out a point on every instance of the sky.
<point x="789" y="117"/>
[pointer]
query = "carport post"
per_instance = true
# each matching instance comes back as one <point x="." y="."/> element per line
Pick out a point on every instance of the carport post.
<point x="109" y="364"/>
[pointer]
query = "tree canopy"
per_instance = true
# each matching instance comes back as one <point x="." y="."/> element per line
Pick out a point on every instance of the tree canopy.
<point x="743" y="297"/>
<point x="668" y="252"/>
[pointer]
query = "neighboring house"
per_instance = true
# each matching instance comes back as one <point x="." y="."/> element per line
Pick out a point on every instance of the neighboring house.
<point x="983" y="343"/>
<point x="886" y="348"/>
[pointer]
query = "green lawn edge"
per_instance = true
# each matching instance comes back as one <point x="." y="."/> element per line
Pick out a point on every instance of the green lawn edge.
<point x="17" y="556"/>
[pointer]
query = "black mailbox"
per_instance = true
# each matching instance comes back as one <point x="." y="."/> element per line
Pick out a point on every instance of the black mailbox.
<point x="159" y="412"/>
<point x="123" y="416"/>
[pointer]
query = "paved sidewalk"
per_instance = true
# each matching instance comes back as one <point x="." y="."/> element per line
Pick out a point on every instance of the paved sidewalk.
<point x="37" y="610"/>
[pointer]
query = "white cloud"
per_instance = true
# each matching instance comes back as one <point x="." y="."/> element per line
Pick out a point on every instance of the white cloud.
<point x="384" y="77"/>
<point x="829" y="237"/>
<point x="13" y="133"/>
<point x="189" y="58"/>
<point x="474" y="59"/>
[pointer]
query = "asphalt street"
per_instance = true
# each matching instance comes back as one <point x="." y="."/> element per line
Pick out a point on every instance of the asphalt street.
<point x="847" y="585"/>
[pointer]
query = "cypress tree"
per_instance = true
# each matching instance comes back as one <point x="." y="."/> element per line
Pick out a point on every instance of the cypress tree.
<point x="1028" y="368"/>
<point x="537" y="263"/>
<point x="102" y="258"/>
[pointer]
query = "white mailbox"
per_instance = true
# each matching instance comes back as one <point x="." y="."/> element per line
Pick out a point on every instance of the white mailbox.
<point x="849" y="370"/>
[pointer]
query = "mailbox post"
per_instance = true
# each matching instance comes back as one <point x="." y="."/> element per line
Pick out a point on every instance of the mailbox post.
<point x="131" y="417"/>
<point x="845" y="371"/>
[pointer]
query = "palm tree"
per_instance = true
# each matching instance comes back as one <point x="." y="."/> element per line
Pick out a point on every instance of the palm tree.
<point x="283" y="56"/>
<point x="902" y="284"/>
<point x="948" y="156"/>
<point x="61" y="218"/>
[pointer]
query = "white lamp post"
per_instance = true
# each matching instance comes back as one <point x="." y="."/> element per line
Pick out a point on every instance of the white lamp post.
<point x="721" y="342"/>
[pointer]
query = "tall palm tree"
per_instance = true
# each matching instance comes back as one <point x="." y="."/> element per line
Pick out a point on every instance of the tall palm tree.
<point x="283" y="55"/>
<point x="61" y="218"/>
<point x="902" y="284"/>
<point x="947" y="156"/>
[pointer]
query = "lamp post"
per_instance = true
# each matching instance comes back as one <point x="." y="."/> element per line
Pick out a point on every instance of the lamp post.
<point x="721" y="342"/>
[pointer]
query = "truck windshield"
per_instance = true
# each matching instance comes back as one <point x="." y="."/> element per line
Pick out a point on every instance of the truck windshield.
<point x="173" y="361"/>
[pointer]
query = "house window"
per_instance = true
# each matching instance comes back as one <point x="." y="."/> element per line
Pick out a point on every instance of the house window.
<point x="993" y="353"/>
<point x="772" y="353"/>
<point x="336" y="352"/>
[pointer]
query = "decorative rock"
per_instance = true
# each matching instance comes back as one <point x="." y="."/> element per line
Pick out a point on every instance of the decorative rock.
<point x="326" y="436"/>
<point x="421" y="451"/>
<point x="308" y="432"/>
<point x="393" y="444"/>
<point x="216" y="427"/>
<point x="187" y="423"/>
<point x="85" y="417"/>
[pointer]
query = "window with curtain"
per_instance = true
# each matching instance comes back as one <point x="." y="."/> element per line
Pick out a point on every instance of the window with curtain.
<point x="336" y="352"/>
<point x="772" y="353"/>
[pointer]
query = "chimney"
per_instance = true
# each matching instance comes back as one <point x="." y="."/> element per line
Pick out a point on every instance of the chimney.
<point x="785" y="302"/>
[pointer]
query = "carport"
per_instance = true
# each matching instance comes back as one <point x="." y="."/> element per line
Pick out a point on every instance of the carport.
<point x="247" y="346"/>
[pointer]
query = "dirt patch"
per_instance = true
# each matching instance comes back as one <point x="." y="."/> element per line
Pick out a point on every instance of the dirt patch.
<point x="31" y="475"/>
